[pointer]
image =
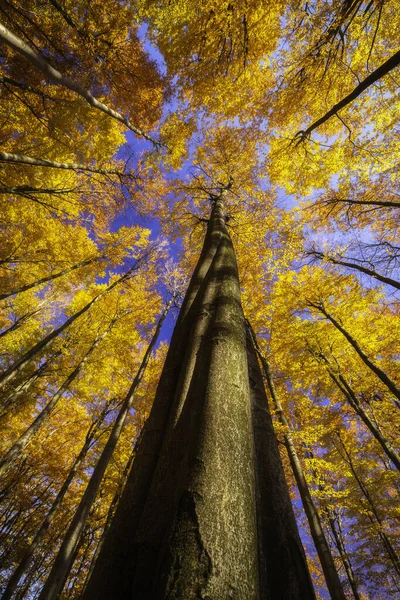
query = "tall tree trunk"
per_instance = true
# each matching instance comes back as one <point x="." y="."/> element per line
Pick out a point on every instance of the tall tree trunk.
<point x="12" y="371"/>
<point x="352" y="399"/>
<point x="12" y="402"/>
<point x="18" y="323"/>
<point x="186" y="526"/>
<point x="28" y="286"/>
<point x="64" y="559"/>
<point x="22" y="159"/>
<point x="321" y="544"/>
<point x="374" y="515"/>
<point x="351" y="265"/>
<point x="336" y="528"/>
<point x="26" y="559"/>
<point x="367" y="361"/>
<point x="28" y="435"/>
<point x="110" y="516"/>
<point x="38" y="62"/>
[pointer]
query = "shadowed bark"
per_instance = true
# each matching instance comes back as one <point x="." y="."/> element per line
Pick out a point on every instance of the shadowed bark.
<point x="321" y="544"/>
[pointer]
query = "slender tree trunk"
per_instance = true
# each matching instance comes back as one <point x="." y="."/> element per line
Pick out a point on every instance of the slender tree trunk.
<point x="63" y="561"/>
<point x="26" y="560"/>
<point x="12" y="401"/>
<point x="352" y="399"/>
<point x="336" y="528"/>
<point x="367" y="361"/>
<point x="321" y="544"/>
<point x="21" y="159"/>
<point x="110" y="516"/>
<point x="29" y="286"/>
<point x="350" y="265"/>
<point x="12" y="371"/>
<point x="385" y="68"/>
<point x="28" y="435"/>
<point x="39" y="63"/>
<point x="18" y="323"/>
<point x="186" y="526"/>
<point x="374" y="516"/>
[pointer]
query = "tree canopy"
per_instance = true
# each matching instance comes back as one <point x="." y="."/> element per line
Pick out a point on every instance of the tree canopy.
<point x="121" y="124"/>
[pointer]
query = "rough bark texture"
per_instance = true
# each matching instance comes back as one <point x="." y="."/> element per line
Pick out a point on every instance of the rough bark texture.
<point x="186" y="526"/>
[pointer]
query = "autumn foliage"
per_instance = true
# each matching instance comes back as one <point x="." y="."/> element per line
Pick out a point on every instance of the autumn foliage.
<point x="106" y="175"/>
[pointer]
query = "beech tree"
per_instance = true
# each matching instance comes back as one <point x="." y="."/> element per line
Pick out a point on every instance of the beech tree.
<point x="224" y="475"/>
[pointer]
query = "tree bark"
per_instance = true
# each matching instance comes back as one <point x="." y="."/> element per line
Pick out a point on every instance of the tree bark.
<point x="336" y="528"/>
<point x="39" y="63"/>
<point x="321" y="544"/>
<point x="64" y="559"/>
<point x="374" y="517"/>
<point x="186" y="524"/>
<point x="110" y="516"/>
<point x="352" y="399"/>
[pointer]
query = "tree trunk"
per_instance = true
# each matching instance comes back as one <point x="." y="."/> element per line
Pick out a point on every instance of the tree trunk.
<point x="13" y="402"/>
<point x="64" y="559"/>
<point x="39" y="63"/>
<point x="367" y="361"/>
<point x="12" y="371"/>
<point x="374" y="516"/>
<point x="321" y="544"/>
<point x="356" y="406"/>
<point x="18" y="323"/>
<point x="110" y="516"/>
<point x="25" y="562"/>
<point x="186" y="526"/>
<point x="27" y="436"/>
<point x="28" y="286"/>
<point x="336" y="528"/>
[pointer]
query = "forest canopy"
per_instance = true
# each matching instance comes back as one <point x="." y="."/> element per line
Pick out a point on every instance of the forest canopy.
<point x="123" y="125"/>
